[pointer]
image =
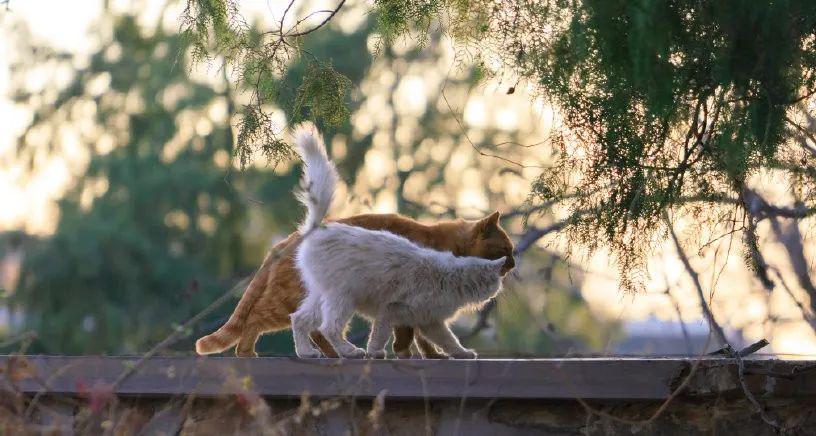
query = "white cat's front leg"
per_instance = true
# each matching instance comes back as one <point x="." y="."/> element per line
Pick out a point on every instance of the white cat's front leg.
<point x="380" y="332"/>
<point x="336" y="314"/>
<point x="441" y="335"/>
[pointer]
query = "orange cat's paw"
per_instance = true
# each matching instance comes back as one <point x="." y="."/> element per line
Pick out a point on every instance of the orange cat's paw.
<point x="435" y="356"/>
<point x="378" y="354"/>
<point x="464" y="354"/>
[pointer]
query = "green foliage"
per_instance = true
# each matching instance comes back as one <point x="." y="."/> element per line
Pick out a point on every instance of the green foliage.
<point x="212" y="23"/>
<point x="666" y="102"/>
<point x="670" y="100"/>
<point x="350" y="58"/>
<point x="468" y="21"/>
<point x="395" y="18"/>
<point x="323" y="91"/>
<point x="261" y="58"/>
<point x="256" y="134"/>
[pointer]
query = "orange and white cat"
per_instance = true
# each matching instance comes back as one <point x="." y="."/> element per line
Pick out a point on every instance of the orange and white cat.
<point x="276" y="290"/>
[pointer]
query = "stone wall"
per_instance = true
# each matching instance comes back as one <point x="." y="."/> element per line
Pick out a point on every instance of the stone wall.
<point x="67" y="395"/>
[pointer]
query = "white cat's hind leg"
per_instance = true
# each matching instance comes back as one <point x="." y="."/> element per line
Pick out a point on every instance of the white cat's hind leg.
<point x="380" y="332"/>
<point x="304" y="321"/>
<point x="336" y="313"/>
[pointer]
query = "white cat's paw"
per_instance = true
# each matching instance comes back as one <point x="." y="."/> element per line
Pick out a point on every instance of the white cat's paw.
<point x="354" y="353"/>
<point x="376" y="354"/>
<point x="308" y="354"/>
<point x="464" y="354"/>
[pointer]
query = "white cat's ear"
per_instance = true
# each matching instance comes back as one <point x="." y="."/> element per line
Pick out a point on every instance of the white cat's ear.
<point x="499" y="262"/>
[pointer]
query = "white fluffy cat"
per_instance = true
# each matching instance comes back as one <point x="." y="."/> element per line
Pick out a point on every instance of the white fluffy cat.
<point x="385" y="277"/>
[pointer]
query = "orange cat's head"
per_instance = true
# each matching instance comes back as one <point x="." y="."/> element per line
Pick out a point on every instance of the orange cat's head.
<point x="490" y="241"/>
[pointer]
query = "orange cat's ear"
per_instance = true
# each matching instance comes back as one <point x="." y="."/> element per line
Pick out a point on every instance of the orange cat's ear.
<point x="489" y="222"/>
<point x="493" y="219"/>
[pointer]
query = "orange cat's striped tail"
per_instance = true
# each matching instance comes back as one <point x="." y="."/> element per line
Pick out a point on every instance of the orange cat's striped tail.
<point x="229" y="333"/>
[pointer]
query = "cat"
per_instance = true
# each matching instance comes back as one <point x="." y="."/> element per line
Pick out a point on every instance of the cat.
<point x="276" y="290"/>
<point x="383" y="276"/>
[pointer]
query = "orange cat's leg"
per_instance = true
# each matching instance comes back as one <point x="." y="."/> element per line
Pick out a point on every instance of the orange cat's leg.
<point x="403" y="338"/>
<point x="440" y="334"/>
<point x="427" y="349"/>
<point x="246" y="345"/>
<point x="324" y="345"/>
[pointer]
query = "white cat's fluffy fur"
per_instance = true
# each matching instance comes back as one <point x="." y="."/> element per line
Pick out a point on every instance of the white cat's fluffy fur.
<point x="383" y="276"/>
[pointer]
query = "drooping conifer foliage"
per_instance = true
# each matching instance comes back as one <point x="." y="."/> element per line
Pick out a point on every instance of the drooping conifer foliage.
<point x="666" y="105"/>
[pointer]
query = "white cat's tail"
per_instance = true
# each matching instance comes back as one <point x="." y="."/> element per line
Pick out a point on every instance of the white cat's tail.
<point x="319" y="177"/>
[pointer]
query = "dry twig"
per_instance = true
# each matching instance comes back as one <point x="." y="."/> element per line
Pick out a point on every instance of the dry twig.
<point x="717" y="329"/>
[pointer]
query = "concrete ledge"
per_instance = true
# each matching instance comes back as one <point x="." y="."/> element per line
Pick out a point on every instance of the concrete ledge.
<point x="529" y="379"/>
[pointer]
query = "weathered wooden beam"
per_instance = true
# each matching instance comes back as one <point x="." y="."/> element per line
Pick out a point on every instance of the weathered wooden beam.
<point x="591" y="378"/>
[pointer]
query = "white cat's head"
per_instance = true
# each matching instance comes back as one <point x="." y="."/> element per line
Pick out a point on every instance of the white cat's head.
<point x="495" y="266"/>
<point x="497" y="269"/>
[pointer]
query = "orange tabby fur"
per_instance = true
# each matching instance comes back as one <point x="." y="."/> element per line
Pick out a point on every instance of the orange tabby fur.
<point x="276" y="290"/>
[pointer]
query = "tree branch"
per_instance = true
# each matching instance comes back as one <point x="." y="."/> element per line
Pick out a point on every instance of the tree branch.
<point x="719" y="334"/>
<point x="716" y="328"/>
<point x="805" y="314"/>
<point x="757" y="259"/>
<point x="790" y="237"/>
<point x="683" y="329"/>
<point x="807" y="135"/>
<point x="534" y="234"/>
<point x="332" y="13"/>
<point x="761" y="209"/>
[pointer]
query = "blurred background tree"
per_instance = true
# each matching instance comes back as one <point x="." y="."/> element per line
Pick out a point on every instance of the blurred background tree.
<point x="159" y="222"/>
<point x="151" y="229"/>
